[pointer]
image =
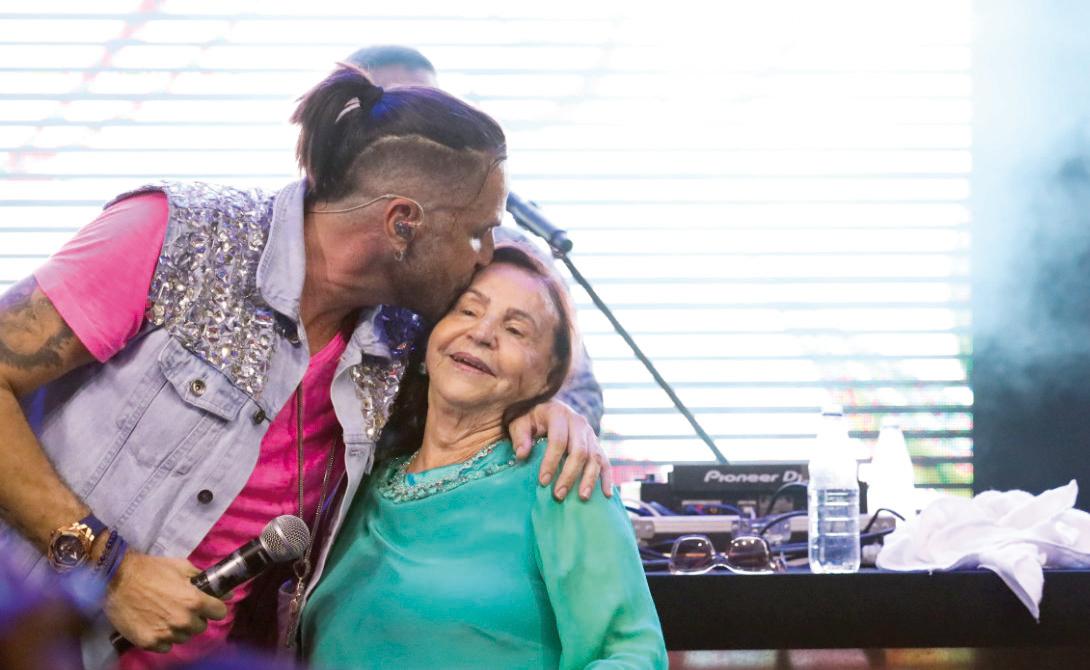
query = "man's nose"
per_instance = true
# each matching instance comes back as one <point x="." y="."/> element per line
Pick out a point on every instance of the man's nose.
<point x="488" y="247"/>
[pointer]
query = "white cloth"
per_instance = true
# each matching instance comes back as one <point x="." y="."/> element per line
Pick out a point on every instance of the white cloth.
<point x="1013" y="533"/>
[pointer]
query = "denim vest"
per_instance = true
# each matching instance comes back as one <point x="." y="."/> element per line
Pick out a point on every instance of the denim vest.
<point x="180" y="412"/>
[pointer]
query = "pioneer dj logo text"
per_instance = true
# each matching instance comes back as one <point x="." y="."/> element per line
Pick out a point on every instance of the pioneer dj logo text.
<point x="787" y="477"/>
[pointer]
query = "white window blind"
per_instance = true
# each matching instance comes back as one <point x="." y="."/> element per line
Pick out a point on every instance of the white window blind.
<point x="772" y="196"/>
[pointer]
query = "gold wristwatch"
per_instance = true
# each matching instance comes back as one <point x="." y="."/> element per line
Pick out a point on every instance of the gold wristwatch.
<point x="70" y="546"/>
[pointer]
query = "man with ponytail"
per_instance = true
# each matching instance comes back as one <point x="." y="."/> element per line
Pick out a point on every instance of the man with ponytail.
<point x="201" y="359"/>
<point x="396" y="65"/>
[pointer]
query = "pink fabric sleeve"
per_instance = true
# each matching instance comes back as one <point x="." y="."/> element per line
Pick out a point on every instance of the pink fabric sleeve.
<point x="98" y="282"/>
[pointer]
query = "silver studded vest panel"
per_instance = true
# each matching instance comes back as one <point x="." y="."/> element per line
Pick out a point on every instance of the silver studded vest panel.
<point x="204" y="293"/>
<point x="377" y="379"/>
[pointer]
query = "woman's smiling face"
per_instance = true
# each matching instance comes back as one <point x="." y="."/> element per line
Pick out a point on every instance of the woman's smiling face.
<point x="495" y="347"/>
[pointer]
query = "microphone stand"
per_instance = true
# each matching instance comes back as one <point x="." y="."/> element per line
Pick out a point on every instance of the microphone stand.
<point x="528" y="216"/>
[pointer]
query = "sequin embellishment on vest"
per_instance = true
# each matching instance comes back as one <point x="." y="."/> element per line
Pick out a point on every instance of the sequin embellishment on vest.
<point x="204" y="292"/>
<point x="378" y="379"/>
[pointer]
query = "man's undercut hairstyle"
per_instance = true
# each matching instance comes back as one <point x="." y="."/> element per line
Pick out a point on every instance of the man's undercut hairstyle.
<point x="357" y="138"/>
<point x="391" y="55"/>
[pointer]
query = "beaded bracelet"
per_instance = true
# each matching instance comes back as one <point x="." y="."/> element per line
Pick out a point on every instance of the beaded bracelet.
<point x="106" y="550"/>
<point x="119" y="553"/>
<point x="110" y="560"/>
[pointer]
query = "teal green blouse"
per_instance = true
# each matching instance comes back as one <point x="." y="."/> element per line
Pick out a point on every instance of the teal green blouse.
<point x="485" y="570"/>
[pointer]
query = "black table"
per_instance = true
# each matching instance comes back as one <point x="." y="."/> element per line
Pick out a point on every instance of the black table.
<point x="871" y="609"/>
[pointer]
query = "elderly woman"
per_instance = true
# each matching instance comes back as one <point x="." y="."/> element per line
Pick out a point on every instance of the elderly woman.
<point x="201" y="359"/>
<point x="450" y="557"/>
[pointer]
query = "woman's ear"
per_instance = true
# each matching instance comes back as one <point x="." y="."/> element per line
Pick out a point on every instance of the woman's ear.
<point x="554" y="361"/>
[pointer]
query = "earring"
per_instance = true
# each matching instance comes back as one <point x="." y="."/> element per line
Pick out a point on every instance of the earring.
<point x="399" y="255"/>
<point x="423" y="369"/>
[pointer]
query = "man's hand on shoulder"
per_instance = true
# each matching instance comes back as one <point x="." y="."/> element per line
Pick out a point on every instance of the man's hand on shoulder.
<point x="569" y="434"/>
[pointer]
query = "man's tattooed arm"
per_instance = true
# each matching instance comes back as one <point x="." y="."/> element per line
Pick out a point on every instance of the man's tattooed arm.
<point x="149" y="594"/>
<point x="36" y="347"/>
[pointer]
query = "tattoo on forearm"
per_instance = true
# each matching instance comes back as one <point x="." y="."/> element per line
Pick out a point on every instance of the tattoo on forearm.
<point x="31" y="333"/>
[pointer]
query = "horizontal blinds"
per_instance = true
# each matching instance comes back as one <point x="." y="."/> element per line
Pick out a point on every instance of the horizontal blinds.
<point x="772" y="196"/>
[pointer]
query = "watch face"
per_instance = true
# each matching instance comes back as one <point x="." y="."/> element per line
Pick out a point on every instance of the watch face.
<point x="69" y="547"/>
<point x="68" y="550"/>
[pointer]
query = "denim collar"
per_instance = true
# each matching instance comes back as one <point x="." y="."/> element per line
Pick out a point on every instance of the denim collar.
<point x="282" y="271"/>
<point x="282" y="268"/>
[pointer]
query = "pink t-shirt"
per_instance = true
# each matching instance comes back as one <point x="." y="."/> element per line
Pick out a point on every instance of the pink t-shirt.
<point x="99" y="284"/>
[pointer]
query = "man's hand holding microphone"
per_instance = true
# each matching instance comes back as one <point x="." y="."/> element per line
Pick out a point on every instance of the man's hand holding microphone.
<point x="156" y="602"/>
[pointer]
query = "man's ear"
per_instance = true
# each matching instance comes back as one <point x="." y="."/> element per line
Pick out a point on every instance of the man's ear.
<point x="401" y="218"/>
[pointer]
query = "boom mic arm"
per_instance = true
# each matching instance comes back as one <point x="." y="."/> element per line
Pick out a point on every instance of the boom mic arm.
<point x="528" y="216"/>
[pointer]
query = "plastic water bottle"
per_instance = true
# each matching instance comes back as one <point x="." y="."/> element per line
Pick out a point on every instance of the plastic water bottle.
<point x="833" y="498"/>
<point x="892" y="479"/>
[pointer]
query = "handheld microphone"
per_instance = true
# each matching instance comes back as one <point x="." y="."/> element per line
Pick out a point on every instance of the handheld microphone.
<point x="283" y="539"/>
<point x="530" y="217"/>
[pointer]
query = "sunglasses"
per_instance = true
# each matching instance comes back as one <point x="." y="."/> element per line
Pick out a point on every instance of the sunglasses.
<point x="748" y="554"/>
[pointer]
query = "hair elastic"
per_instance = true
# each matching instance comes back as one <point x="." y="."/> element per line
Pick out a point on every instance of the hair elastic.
<point x="370" y="98"/>
<point x="353" y="103"/>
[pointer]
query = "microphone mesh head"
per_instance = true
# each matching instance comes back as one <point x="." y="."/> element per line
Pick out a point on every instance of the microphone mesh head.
<point x="285" y="538"/>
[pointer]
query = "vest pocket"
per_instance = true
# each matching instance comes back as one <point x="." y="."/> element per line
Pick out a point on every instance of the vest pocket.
<point x="194" y="403"/>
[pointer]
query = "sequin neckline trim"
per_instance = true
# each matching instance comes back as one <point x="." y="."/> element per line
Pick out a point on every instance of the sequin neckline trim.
<point x="399" y="485"/>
